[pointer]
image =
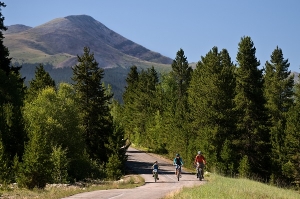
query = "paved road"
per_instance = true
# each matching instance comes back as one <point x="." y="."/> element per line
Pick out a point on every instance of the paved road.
<point x="140" y="163"/>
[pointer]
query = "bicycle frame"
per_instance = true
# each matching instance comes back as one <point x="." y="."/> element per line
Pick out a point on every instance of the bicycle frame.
<point x="178" y="170"/>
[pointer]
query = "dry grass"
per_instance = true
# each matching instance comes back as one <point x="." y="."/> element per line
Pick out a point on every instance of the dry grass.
<point x="55" y="191"/>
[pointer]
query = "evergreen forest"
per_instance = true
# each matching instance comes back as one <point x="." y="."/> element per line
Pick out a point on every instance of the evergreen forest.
<point x="244" y="117"/>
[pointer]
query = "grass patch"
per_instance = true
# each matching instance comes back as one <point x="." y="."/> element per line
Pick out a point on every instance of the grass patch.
<point x="222" y="187"/>
<point x="57" y="191"/>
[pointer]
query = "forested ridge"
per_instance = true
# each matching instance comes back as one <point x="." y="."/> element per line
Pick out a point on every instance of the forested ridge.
<point x="244" y="119"/>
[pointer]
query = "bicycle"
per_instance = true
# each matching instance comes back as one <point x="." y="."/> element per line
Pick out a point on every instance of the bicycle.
<point x="178" y="171"/>
<point x="155" y="175"/>
<point x="199" y="171"/>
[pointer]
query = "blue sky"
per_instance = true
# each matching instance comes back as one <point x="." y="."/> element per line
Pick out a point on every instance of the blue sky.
<point x="196" y="26"/>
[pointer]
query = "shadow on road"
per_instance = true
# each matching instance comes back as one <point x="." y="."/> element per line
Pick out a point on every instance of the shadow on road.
<point x="135" y="151"/>
<point x="139" y="167"/>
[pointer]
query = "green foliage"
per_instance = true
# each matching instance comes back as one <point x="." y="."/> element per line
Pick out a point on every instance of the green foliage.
<point x="176" y="110"/>
<point x="226" y="163"/>
<point x="244" y="167"/>
<point x="4" y="53"/>
<point x="12" y="89"/>
<point x="252" y="137"/>
<point x="130" y="98"/>
<point x="49" y="115"/>
<point x="117" y="147"/>
<point x="93" y="104"/>
<point x="114" y="167"/>
<point x="10" y="101"/>
<point x="60" y="164"/>
<point x="292" y="139"/>
<point x="83" y="167"/>
<point x="181" y="72"/>
<point x="211" y="94"/>
<point x="140" y="100"/>
<point x="15" y="168"/>
<point x="41" y="80"/>
<point x="35" y="170"/>
<point x="11" y="121"/>
<point x="278" y="91"/>
<point x="4" y="166"/>
<point x="289" y="170"/>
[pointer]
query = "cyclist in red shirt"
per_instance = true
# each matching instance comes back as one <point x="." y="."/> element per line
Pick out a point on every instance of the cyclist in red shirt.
<point x="201" y="160"/>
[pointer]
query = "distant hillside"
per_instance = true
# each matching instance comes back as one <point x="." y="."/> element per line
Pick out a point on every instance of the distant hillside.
<point x="58" y="42"/>
<point x="16" y="29"/>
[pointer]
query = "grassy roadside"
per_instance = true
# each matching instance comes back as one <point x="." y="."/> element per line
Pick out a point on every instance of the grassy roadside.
<point x="60" y="190"/>
<point x="225" y="188"/>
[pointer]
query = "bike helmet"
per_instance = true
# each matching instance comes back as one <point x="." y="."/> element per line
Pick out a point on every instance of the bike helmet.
<point x="177" y="155"/>
<point x="199" y="152"/>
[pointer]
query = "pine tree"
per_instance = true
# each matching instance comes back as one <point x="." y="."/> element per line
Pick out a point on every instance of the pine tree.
<point x="140" y="104"/>
<point x="252" y="138"/>
<point x="278" y="91"/>
<point x="4" y="53"/>
<point x="11" y="101"/>
<point x="94" y="105"/>
<point x="211" y="96"/>
<point x="11" y="119"/>
<point x="5" y="61"/>
<point x="148" y="81"/>
<point x="41" y="80"/>
<point x="118" y="147"/>
<point x="178" y="110"/>
<point x="130" y="98"/>
<point x="290" y="163"/>
<point x="182" y="73"/>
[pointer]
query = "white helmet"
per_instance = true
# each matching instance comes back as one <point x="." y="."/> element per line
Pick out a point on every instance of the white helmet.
<point x="199" y="152"/>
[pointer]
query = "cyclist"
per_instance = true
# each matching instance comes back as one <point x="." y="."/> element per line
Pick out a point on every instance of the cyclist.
<point x="201" y="160"/>
<point x="155" y="166"/>
<point x="178" y="162"/>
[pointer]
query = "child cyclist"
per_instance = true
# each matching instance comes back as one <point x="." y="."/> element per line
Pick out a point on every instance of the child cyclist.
<point x="155" y="166"/>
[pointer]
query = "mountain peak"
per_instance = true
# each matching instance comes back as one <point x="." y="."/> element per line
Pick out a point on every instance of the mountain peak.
<point x="60" y="40"/>
<point x="80" y="17"/>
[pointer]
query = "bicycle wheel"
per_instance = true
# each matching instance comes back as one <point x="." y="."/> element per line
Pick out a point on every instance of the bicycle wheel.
<point x="200" y="173"/>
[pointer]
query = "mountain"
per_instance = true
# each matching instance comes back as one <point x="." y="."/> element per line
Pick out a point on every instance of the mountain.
<point x="58" y="42"/>
<point x="17" y="29"/>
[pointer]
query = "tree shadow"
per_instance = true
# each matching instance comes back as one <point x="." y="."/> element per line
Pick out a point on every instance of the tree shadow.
<point x="139" y="167"/>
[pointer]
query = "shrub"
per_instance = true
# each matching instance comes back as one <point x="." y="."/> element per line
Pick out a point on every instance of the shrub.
<point x="244" y="168"/>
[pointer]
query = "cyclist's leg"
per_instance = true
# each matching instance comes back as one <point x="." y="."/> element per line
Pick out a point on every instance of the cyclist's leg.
<point x="202" y="168"/>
